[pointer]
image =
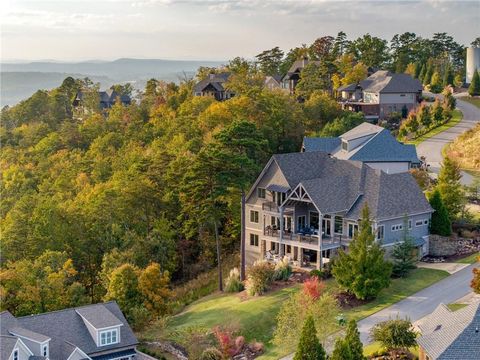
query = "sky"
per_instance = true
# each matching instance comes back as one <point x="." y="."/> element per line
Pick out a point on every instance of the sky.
<point x="68" y="30"/>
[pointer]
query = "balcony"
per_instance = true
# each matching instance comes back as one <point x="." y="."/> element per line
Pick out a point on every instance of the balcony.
<point x="307" y="240"/>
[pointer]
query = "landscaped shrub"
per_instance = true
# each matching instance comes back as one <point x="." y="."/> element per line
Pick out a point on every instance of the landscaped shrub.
<point x="259" y="277"/>
<point x="228" y="344"/>
<point x="283" y="270"/>
<point x="313" y="287"/>
<point x="394" y="334"/>
<point x="309" y="348"/>
<point x="139" y="317"/>
<point x="211" y="354"/>
<point x="233" y="283"/>
<point x="321" y="274"/>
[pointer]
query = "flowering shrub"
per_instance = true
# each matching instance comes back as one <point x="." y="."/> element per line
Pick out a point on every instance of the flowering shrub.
<point x="259" y="277"/>
<point x="233" y="283"/>
<point x="283" y="270"/>
<point x="313" y="287"/>
<point x="228" y="345"/>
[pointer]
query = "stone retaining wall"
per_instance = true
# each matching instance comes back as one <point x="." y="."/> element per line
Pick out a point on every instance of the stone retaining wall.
<point x="448" y="246"/>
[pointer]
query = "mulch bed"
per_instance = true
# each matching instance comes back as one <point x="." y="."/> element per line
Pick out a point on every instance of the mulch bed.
<point x="348" y="301"/>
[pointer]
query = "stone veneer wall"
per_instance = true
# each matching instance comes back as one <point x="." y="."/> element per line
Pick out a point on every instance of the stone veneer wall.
<point x="447" y="246"/>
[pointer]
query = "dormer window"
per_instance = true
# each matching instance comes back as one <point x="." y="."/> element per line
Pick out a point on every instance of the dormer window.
<point x="108" y="337"/>
<point x="45" y="350"/>
<point x="344" y="145"/>
<point x="15" y="354"/>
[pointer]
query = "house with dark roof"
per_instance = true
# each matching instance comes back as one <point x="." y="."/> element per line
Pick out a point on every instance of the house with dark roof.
<point x="382" y="94"/>
<point x="370" y="144"/>
<point x="292" y="77"/>
<point x="307" y="205"/>
<point x="107" y="99"/>
<point x="450" y="335"/>
<point x="96" y="332"/>
<point x="214" y="86"/>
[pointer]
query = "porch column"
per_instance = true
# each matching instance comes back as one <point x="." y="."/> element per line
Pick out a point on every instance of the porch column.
<point x="281" y="232"/>
<point x="320" y="241"/>
<point x="300" y="256"/>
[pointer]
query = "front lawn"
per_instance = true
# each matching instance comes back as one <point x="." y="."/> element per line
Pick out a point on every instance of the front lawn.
<point x="469" y="259"/>
<point x="472" y="100"/>
<point x="456" y="117"/>
<point x="254" y="318"/>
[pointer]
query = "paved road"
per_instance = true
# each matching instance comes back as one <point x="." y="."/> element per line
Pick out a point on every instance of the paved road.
<point x="432" y="148"/>
<point x="423" y="302"/>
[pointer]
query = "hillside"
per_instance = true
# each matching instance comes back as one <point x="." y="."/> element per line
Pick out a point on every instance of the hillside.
<point x="466" y="149"/>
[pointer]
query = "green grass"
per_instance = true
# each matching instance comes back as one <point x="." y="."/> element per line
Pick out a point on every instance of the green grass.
<point x="376" y="347"/>
<point x="469" y="259"/>
<point x="456" y="117"/>
<point x="255" y="317"/>
<point x="474" y="101"/>
<point x="455" y="307"/>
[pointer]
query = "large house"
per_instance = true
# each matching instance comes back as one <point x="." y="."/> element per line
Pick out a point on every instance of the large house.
<point x="107" y="99"/>
<point x="370" y="144"/>
<point x="292" y="77"/>
<point x="96" y="332"/>
<point x="214" y="85"/>
<point x="382" y="94"/>
<point x="307" y="205"/>
<point x="450" y="335"/>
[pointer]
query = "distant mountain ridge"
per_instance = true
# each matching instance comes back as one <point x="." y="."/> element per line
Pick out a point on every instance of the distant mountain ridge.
<point x="20" y="80"/>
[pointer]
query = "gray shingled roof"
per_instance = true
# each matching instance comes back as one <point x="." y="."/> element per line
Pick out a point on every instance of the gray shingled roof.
<point x="384" y="81"/>
<point x="68" y="331"/>
<point x="384" y="147"/>
<point x="99" y="316"/>
<point x="340" y="185"/>
<point x="7" y="343"/>
<point x="215" y="80"/>
<point x="452" y="335"/>
<point x="361" y="130"/>
<point x="327" y="145"/>
<point x="28" y="334"/>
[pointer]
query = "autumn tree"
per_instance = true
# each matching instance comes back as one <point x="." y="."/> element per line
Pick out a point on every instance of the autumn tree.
<point x="363" y="271"/>
<point x="153" y="285"/>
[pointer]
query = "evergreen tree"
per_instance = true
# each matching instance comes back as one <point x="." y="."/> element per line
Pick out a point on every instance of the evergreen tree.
<point x="474" y="88"/>
<point x="363" y="271"/>
<point x="341" y="350"/>
<point x="349" y="348"/>
<point x="309" y="348"/>
<point x="448" y="77"/>
<point x="436" y="83"/>
<point x="403" y="253"/>
<point x="440" y="222"/>
<point x="422" y="73"/>
<point x="450" y="187"/>
<point x="428" y="75"/>
<point x="423" y="116"/>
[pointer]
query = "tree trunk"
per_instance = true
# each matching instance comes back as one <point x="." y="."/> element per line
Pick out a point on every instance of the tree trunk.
<point x="219" y="263"/>
<point x="242" y="239"/>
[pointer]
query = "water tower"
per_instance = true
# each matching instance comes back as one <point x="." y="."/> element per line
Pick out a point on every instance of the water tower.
<point x="473" y="62"/>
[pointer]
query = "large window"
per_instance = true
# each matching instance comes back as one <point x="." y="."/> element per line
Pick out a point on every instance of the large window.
<point x="397" y="227"/>
<point x="302" y="222"/>
<point x="253" y="239"/>
<point x="254" y="216"/>
<point x="338" y="228"/>
<point x="108" y="337"/>
<point x="352" y="230"/>
<point x="381" y="232"/>
<point x="314" y="219"/>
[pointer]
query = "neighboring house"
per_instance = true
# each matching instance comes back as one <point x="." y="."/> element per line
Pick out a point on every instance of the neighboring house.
<point x="450" y="335"/>
<point x="370" y="144"/>
<point x="309" y="194"/>
<point x="382" y="94"/>
<point x="214" y="85"/>
<point x="96" y="332"/>
<point x="107" y="99"/>
<point x="291" y="79"/>
<point x="273" y="82"/>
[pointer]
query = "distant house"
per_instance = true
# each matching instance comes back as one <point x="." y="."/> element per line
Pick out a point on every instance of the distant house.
<point x="273" y="82"/>
<point x="96" y="332"/>
<point x="307" y="205"/>
<point x="382" y="94"/>
<point x="450" y="335"/>
<point x="370" y="144"/>
<point x="214" y="86"/>
<point x="107" y="99"/>
<point x="291" y="79"/>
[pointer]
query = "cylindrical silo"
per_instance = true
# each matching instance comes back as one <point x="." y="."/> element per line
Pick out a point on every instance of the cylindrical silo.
<point x="473" y="62"/>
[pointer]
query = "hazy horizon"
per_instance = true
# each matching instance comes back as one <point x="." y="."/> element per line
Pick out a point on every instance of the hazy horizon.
<point x="73" y="31"/>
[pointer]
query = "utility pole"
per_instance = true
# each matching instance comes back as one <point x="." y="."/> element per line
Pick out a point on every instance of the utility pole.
<point x="242" y="239"/>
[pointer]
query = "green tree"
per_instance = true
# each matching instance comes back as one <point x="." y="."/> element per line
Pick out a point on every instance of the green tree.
<point x="349" y="348"/>
<point x="343" y="123"/>
<point x="395" y="334"/>
<point x="450" y="187"/>
<point x="363" y="271"/>
<point x="448" y="76"/>
<point x="313" y="77"/>
<point x="423" y="72"/>
<point x="474" y="88"/>
<point x="437" y="113"/>
<point x="270" y="61"/>
<point x="440" y="222"/>
<point x="436" y="84"/>
<point x="320" y="109"/>
<point x="423" y="116"/>
<point x="123" y="287"/>
<point x="370" y="50"/>
<point x="404" y="253"/>
<point x="309" y="348"/>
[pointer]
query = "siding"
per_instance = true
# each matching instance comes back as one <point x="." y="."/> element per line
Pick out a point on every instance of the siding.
<point x="417" y="232"/>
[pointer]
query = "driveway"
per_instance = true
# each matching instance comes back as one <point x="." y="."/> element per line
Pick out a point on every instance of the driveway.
<point x="432" y="148"/>
<point x="423" y="302"/>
